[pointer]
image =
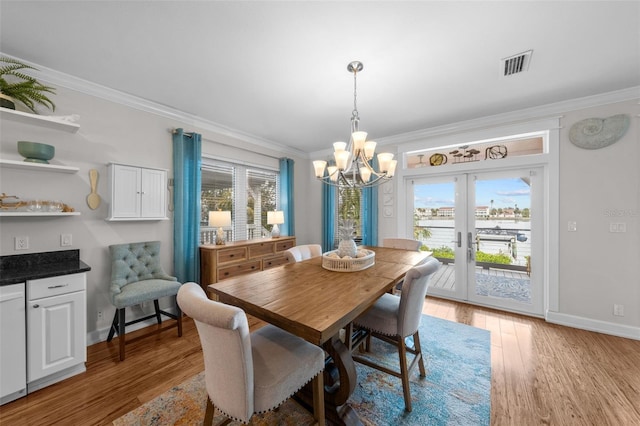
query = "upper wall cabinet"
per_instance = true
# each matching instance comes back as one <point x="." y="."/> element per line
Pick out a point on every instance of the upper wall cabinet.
<point x="137" y="193"/>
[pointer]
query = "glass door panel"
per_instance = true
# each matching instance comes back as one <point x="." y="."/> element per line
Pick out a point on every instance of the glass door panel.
<point x="437" y="226"/>
<point x="503" y="217"/>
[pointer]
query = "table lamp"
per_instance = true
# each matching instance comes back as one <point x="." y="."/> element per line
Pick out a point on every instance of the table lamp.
<point x="219" y="219"/>
<point x="275" y="218"/>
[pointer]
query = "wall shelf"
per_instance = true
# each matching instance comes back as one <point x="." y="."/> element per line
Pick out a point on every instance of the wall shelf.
<point x="25" y="165"/>
<point x="37" y="214"/>
<point x="40" y="120"/>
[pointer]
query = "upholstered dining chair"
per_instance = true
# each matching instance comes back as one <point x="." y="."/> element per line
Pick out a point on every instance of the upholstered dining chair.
<point x="302" y="252"/>
<point x="394" y="318"/>
<point x="136" y="277"/>
<point x="247" y="373"/>
<point x="404" y="244"/>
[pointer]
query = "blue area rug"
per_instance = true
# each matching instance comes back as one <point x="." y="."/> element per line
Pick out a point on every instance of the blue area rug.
<point x="456" y="391"/>
<point x="504" y="287"/>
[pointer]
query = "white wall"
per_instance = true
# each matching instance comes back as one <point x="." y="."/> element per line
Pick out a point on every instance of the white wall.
<point x="111" y="132"/>
<point x="597" y="268"/>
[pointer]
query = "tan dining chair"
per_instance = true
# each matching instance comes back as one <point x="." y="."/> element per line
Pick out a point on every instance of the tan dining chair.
<point x="248" y="373"/>
<point x="394" y="318"/>
<point x="402" y="243"/>
<point x="302" y="252"/>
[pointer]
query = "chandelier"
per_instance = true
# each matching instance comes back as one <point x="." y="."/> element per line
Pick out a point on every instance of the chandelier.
<point x="353" y="164"/>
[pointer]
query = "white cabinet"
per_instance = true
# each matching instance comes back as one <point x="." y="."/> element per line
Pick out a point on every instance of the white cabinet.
<point x="137" y="193"/>
<point x="13" y="365"/>
<point x="56" y="329"/>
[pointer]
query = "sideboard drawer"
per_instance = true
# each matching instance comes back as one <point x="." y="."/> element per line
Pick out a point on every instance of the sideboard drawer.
<point x="272" y="262"/>
<point x="239" y="269"/>
<point x="262" y="249"/>
<point x="218" y="262"/>
<point x="285" y="245"/>
<point x="232" y="254"/>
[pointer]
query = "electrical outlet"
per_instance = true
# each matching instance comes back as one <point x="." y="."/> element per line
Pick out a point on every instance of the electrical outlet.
<point x="572" y="226"/>
<point x="66" y="240"/>
<point x="618" y="310"/>
<point x="100" y="315"/>
<point x="22" y="243"/>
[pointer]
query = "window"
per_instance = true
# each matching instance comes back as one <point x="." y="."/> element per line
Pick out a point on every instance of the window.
<point x="248" y="192"/>
<point x="348" y="206"/>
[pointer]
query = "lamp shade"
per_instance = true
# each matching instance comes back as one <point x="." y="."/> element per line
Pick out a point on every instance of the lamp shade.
<point x="219" y="218"/>
<point x="275" y="218"/>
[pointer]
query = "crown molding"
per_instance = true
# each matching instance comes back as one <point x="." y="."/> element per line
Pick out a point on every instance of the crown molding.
<point x="86" y="87"/>
<point x="558" y="108"/>
<point x="527" y="114"/>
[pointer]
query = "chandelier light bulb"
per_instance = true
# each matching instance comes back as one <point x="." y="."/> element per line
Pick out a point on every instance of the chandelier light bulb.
<point x="339" y="146"/>
<point x="319" y="166"/>
<point x="333" y="173"/>
<point x="384" y="158"/>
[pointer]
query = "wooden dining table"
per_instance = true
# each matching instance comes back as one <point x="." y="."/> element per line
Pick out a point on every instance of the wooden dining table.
<point x="315" y="303"/>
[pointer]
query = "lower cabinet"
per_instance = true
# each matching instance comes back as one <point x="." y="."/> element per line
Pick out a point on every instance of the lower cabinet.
<point x="13" y="364"/>
<point x="56" y="329"/>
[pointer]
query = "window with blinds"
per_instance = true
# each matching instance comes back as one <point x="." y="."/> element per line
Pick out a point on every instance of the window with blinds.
<point x="248" y="192"/>
<point x="348" y="206"/>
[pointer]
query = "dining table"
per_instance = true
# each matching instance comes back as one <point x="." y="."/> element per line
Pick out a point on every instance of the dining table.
<point x="315" y="303"/>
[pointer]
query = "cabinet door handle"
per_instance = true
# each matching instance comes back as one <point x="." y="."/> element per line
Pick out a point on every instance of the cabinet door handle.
<point x="58" y="286"/>
<point x="36" y="306"/>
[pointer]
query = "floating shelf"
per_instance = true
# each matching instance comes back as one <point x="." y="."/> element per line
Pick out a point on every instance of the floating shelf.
<point x="37" y="214"/>
<point x="25" y="165"/>
<point x="41" y="120"/>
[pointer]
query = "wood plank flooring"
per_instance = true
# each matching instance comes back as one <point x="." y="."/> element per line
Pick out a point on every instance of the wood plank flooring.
<point x="542" y="374"/>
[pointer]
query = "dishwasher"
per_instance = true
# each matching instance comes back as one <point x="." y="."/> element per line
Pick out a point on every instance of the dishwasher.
<point x="13" y="346"/>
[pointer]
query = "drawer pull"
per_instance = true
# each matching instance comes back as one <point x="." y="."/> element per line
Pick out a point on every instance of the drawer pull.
<point x="231" y="255"/>
<point x="226" y="273"/>
<point x="58" y="286"/>
<point x="36" y="306"/>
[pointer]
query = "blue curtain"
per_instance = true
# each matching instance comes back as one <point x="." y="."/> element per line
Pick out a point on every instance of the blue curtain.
<point x="370" y="216"/>
<point x="187" y="148"/>
<point x="286" y="196"/>
<point x="328" y="216"/>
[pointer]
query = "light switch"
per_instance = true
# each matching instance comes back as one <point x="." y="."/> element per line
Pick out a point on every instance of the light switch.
<point x="573" y="226"/>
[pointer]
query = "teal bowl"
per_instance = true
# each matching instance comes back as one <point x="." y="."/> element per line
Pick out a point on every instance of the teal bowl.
<point x="35" y="152"/>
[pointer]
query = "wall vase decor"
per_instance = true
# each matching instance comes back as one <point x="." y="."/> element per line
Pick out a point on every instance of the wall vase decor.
<point x="596" y="133"/>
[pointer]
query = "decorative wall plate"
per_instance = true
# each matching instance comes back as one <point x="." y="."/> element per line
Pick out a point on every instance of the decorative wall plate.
<point x="596" y="133"/>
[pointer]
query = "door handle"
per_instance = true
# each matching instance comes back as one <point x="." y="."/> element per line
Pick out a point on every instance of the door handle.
<point x="470" y="242"/>
<point x="459" y="240"/>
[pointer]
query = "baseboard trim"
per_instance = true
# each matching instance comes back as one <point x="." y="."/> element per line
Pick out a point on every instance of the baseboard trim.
<point x="101" y="334"/>
<point x="599" y="326"/>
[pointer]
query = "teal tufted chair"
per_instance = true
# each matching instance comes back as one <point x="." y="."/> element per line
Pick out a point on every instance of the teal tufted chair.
<point x="137" y="277"/>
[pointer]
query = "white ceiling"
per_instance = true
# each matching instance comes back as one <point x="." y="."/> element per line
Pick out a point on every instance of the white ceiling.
<point x="277" y="70"/>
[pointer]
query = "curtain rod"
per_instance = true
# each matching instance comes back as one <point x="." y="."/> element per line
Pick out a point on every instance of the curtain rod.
<point x="189" y="134"/>
<point x="174" y="131"/>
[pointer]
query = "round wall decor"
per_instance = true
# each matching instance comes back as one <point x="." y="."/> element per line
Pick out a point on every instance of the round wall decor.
<point x="596" y="133"/>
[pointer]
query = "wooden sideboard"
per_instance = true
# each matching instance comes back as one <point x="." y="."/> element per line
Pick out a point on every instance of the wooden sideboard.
<point x="218" y="262"/>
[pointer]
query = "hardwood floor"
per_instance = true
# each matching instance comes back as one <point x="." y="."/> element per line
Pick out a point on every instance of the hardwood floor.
<point x="541" y="374"/>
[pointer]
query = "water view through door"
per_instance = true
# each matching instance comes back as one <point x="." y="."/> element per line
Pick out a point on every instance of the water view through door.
<point x="485" y="228"/>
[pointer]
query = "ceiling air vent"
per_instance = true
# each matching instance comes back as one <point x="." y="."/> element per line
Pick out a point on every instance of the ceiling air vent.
<point x="516" y="64"/>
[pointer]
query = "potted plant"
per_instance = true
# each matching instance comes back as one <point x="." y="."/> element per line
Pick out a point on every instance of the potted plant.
<point x="17" y="86"/>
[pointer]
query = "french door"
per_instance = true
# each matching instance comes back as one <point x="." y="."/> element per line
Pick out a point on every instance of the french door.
<point x="486" y="228"/>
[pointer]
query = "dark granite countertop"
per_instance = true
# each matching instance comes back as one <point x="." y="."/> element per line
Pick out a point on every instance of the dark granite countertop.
<point x="22" y="267"/>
